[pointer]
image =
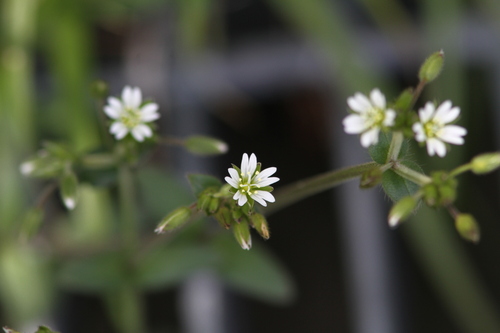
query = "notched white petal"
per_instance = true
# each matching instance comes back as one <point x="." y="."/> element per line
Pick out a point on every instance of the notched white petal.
<point x="377" y="98"/>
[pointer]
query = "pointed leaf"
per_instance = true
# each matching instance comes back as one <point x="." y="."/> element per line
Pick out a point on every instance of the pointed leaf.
<point x="397" y="187"/>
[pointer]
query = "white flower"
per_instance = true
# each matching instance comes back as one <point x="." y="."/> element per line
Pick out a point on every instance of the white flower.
<point x="433" y="129"/>
<point x="129" y="116"/>
<point x="250" y="182"/>
<point x="370" y="115"/>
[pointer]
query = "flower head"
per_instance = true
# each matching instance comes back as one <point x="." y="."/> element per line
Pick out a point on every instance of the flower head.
<point x="130" y="116"/>
<point x="369" y="117"/>
<point x="251" y="183"/>
<point x="433" y="128"/>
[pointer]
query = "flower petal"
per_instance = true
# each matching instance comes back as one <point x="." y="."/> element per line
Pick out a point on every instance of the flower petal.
<point x="252" y="164"/>
<point x="426" y="113"/>
<point x="354" y="124"/>
<point x="359" y="103"/>
<point x="378" y="99"/>
<point x="418" y="129"/>
<point x="244" y="164"/>
<point x="141" y="131"/>
<point x="452" y="134"/>
<point x="149" y="112"/>
<point x="390" y="116"/>
<point x="119" y="130"/>
<point x="266" y="173"/>
<point x="370" y="137"/>
<point x="112" y="112"/>
<point x="262" y="195"/>
<point x="115" y="103"/>
<point x="242" y="200"/>
<point x="267" y="181"/>
<point x="436" y="146"/>
<point x="231" y="182"/>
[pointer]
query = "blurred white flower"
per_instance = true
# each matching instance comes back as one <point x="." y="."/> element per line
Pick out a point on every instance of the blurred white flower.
<point x="433" y="128"/>
<point x="369" y="117"/>
<point x="250" y="182"/>
<point x="130" y="116"/>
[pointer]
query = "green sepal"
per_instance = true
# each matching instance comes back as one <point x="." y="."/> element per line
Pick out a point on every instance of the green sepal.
<point x="404" y="100"/>
<point x="68" y="185"/>
<point x="200" y="182"/>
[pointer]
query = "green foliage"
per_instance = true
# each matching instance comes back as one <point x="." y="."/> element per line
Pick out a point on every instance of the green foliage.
<point x="200" y="182"/>
<point x="397" y="187"/>
<point x="255" y="273"/>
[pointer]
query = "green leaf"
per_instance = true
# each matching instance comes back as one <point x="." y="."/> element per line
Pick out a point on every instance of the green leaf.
<point x="44" y="329"/>
<point x="397" y="187"/>
<point x="94" y="274"/>
<point x="166" y="266"/>
<point x="162" y="192"/>
<point x="256" y="272"/>
<point x="200" y="182"/>
<point x="380" y="151"/>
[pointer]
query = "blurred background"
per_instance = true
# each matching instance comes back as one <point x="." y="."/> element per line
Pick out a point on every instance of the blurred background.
<point x="270" y="77"/>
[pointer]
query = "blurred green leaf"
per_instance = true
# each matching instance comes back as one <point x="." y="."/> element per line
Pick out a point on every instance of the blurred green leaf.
<point x="95" y="274"/>
<point x="168" y="265"/>
<point x="380" y="151"/>
<point x="397" y="187"/>
<point x="255" y="272"/>
<point x="162" y="192"/>
<point x="44" y="329"/>
<point x="201" y="182"/>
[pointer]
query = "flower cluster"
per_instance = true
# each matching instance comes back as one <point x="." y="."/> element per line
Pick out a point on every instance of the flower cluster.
<point x="251" y="184"/>
<point x="370" y="116"/>
<point x="130" y="115"/>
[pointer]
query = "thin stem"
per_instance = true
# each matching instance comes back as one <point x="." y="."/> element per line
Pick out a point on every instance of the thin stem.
<point x="130" y="310"/>
<point x="417" y="92"/>
<point x="410" y="174"/>
<point x="305" y="188"/>
<point x="395" y="147"/>
<point x="460" y="169"/>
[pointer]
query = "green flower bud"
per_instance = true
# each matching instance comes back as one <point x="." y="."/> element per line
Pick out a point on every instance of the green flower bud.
<point x="68" y="185"/>
<point x="42" y="165"/>
<point x="99" y="89"/>
<point x="205" y="199"/>
<point x="371" y="178"/>
<point x="174" y="220"/>
<point x="213" y="205"/>
<point x="401" y="210"/>
<point x="442" y="191"/>
<point x="259" y="222"/>
<point x="241" y="232"/>
<point x="224" y="217"/>
<point x="485" y="163"/>
<point x="9" y="330"/>
<point x="467" y="227"/>
<point x="432" y="67"/>
<point x="204" y="145"/>
<point x="404" y="100"/>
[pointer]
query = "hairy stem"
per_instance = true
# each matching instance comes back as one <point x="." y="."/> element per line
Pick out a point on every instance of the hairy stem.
<point x="410" y="174"/>
<point x="307" y="187"/>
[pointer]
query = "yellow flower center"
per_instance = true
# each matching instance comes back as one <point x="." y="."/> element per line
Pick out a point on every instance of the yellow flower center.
<point x="131" y="117"/>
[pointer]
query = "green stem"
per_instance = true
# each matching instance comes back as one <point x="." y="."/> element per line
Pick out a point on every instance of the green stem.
<point x="305" y="188"/>
<point x="395" y="147"/>
<point x="460" y="169"/>
<point x="129" y="310"/>
<point x="410" y="174"/>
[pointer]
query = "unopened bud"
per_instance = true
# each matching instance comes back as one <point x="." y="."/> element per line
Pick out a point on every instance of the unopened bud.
<point x="42" y="165"/>
<point x="241" y="232"/>
<point x="259" y="222"/>
<point x="224" y="217"/>
<point x="371" y="178"/>
<point x="9" y="330"/>
<point x="432" y="67"/>
<point x="401" y="210"/>
<point x="204" y="200"/>
<point x="485" y="163"/>
<point x="69" y="189"/>
<point x="467" y="227"/>
<point x="174" y="220"/>
<point x="204" y="145"/>
<point x="213" y="205"/>
<point x="99" y="89"/>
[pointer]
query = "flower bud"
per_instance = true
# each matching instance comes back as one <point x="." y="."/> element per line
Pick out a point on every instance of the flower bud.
<point x="204" y="145"/>
<point x="371" y="178"/>
<point x="205" y="199"/>
<point x="9" y="330"/>
<point x="42" y="165"/>
<point x="224" y="217"/>
<point x="432" y="67"/>
<point x="99" y="89"/>
<point x="174" y="220"/>
<point x="485" y="163"/>
<point x="68" y="185"/>
<point x="401" y="210"/>
<point x="213" y="205"/>
<point x="259" y="222"/>
<point x="241" y="232"/>
<point x="467" y="227"/>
